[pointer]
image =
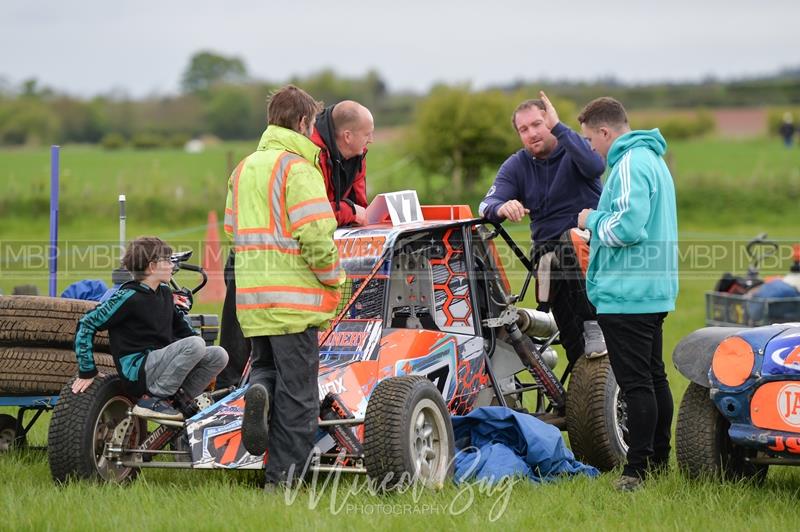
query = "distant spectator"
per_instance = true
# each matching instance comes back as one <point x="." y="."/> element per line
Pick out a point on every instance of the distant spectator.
<point x="787" y="129"/>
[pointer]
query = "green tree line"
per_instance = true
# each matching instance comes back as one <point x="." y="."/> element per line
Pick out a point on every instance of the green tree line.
<point x="219" y="97"/>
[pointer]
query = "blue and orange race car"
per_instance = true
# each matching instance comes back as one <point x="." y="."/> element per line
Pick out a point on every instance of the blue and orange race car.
<point x="741" y="411"/>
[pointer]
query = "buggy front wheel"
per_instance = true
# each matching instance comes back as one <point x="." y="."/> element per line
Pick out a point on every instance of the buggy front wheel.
<point x="408" y="436"/>
<point x="702" y="444"/>
<point x="82" y="426"/>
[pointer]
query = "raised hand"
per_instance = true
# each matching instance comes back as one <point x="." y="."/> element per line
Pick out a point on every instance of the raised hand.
<point x="550" y="114"/>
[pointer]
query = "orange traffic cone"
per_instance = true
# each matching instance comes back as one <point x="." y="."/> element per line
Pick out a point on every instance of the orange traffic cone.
<point x="214" y="291"/>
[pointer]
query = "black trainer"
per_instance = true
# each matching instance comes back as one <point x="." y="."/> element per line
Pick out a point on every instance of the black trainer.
<point x="156" y="408"/>
<point x="255" y="420"/>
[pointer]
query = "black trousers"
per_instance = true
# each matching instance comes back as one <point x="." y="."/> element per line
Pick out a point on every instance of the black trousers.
<point x="288" y="366"/>
<point x="568" y="300"/>
<point x="230" y="332"/>
<point x="570" y="308"/>
<point x="635" y="350"/>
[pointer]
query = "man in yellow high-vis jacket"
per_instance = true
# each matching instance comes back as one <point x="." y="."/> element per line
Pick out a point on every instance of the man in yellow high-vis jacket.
<point x="287" y="281"/>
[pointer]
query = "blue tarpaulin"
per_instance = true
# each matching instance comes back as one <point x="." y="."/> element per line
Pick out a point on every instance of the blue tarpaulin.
<point x="493" y="442"/>
<point x="89" y="289"/>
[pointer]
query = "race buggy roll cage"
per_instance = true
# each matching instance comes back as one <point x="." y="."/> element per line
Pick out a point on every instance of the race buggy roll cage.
<point x="511" y="320"/>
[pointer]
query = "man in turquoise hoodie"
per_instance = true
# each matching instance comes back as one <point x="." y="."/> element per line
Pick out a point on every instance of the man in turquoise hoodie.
<point x="633" y="276"/>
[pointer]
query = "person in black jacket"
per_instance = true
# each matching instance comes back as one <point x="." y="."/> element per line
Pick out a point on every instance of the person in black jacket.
<point x="154" y="349"/>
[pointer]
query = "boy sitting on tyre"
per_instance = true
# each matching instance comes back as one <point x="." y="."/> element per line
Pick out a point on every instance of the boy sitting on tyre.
<point x="154" y="349"/>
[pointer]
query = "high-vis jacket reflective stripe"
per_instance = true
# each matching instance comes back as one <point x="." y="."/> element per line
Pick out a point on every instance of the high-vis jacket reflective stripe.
<point x="308" y="211"/>
<point x="281" y="223"/>
<point x="328" y="276"/>
<point x="280" y="296"/>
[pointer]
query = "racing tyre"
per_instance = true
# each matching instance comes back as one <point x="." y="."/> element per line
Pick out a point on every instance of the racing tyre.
<point x="81" y="426"/>
<point x="596" y="415"/>
<point x="408" y="436"/>
<point x="41" y="370"/>
<point x="44" y="321"/>
<point x="702" y="445"/>
<point x="10" y="434"/>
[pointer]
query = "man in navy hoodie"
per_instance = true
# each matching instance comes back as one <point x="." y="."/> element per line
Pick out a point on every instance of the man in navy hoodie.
<point x="552" y="178"/>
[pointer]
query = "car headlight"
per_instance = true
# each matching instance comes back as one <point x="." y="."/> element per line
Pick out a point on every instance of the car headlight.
<point x="733" y="361"/>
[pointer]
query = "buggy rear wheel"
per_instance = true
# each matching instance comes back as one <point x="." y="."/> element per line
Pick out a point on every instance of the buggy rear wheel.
<point x="408" y="436"/>
<point x="702" y="444"/>
<point x="83" y="424"/>
<point x="596" y="415"/>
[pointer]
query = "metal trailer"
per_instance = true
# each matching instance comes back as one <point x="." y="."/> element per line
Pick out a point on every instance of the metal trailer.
<point x="14" y="430"/>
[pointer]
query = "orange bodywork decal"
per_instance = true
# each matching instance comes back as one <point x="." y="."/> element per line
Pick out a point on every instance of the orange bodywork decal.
<point x="407" y="343"/>
<point x="776" y="406"/>
<point x="785" y="445"/>
<point x="793" y="357"/>
<point x="231" y="441"/>
<point x="446" y="212"/>
<point x="369" y="246"/>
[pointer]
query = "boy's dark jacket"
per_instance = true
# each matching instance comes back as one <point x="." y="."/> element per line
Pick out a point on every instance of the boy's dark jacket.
<point x="139" y="320"/>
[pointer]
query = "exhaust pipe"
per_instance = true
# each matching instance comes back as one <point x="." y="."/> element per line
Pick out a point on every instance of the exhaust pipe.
<point x="535" y="323"/>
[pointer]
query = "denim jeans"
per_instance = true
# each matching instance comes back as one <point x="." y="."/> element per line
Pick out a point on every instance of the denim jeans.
<point x="186" y="363"/>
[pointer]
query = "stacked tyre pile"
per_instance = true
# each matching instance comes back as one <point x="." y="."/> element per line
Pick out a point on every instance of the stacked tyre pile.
<point x="37" y="335"/>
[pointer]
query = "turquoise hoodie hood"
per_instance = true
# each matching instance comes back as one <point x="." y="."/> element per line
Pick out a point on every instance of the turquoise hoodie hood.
<point x="652" y="139"/>
<point x="633" y="257"/>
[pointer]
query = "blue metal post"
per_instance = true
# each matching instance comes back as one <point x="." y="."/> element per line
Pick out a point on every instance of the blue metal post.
<point x="53" y="250"/>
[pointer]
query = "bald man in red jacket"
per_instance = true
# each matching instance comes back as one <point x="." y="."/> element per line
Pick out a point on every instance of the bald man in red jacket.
<point x="342" y="132"/>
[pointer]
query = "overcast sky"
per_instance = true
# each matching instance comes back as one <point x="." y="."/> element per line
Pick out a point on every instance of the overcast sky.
<point x="93" y="46"/>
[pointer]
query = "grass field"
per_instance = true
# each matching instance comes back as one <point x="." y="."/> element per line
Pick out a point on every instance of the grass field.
<point x="713" y="230"/>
